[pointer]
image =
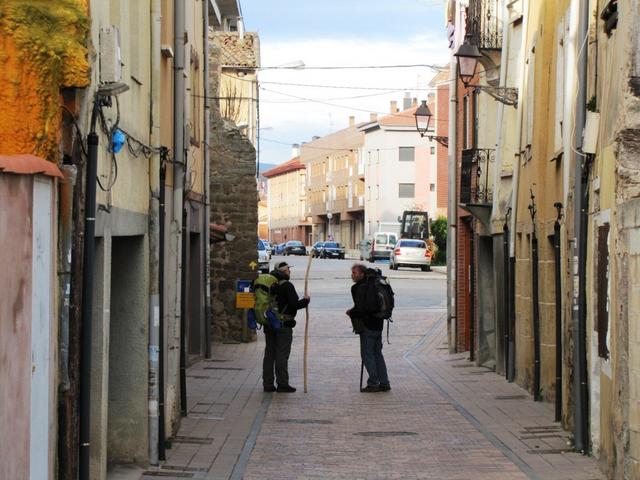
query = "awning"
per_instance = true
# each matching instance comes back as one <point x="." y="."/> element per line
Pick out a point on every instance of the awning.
<point x="27" y="164"/>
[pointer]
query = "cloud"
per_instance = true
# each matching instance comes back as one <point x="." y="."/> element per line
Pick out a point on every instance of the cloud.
<point x="292" y="120"/>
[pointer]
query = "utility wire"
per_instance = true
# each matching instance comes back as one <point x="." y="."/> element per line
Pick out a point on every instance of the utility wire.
<point x="357" y="67"/>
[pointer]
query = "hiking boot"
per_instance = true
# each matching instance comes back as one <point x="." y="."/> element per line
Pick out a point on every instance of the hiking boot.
<point x="285" y="389"/>
<point x="269" y="388"/>
<point x="370" y="389"/>
<point x="385" y="388"/>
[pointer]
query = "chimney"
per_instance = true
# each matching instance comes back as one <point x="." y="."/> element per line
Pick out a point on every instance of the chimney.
<point x="373" y="117"/>
<point x="352" y="120"/>
<point x="295" y="150"/>
<point x="394" y="106"/>
<point x="414" y="102"/>
<point x="406" y="101"/>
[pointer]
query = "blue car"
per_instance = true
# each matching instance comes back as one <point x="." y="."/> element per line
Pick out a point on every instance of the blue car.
<point x="279" y="249"/>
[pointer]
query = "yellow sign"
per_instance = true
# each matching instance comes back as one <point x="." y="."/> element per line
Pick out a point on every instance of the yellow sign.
<point x="245" y="300"/>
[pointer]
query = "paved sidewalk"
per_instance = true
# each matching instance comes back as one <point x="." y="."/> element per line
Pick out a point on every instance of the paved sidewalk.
<point x="443" y="419"/>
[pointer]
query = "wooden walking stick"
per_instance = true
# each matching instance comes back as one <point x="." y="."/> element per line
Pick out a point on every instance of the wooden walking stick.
<point x="306" y="323"/>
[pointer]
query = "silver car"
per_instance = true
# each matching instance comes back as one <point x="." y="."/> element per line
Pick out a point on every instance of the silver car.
<point x="263" y="258"/>
<point x="410" y="253"/>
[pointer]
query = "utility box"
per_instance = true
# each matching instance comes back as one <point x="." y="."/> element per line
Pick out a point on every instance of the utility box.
<point x="591" y="128"/>
<point x="110" y="55"/>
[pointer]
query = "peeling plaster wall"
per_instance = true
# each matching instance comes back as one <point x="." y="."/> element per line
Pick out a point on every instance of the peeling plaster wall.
<point x="615" y="199"/>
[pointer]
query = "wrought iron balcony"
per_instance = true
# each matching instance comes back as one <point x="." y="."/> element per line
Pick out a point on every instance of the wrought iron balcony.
<point x="475" y="186"/>
<point x="484" y="24"/>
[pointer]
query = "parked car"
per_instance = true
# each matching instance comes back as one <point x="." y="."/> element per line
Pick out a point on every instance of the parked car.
<point x="332" y="250"/>
<point x="381" y="245"/>
<point x="279" y="248"/>
<point x="268" y="246"/>
<point x="294" y="247"/>
<point x="263" y="258"/>
<point x="410" y="253"/>
<point x="315" y="249"/>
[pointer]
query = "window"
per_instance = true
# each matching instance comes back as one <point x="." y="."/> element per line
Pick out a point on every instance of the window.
<point x="406" y="190"/>
<point x="432" y="187"/>
<point x="407" y="154"/>
<point x="433" y="150"/>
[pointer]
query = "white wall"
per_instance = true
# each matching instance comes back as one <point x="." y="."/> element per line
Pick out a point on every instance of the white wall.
<point x="384" y="172"/>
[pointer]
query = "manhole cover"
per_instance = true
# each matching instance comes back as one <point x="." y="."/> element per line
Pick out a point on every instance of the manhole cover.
<point x="224" y="368"/>
<point x="153" y="473"/>
<point x="306" y="421"/>
<point x="510" y="397"/>
<point x="549" y="451"/>
<point x="182" y="468"/>
<point x="385" y="434"/>
<point x="192" y="440"/>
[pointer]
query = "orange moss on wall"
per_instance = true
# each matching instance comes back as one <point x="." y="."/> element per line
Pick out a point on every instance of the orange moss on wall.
<point x="43" y="48"/>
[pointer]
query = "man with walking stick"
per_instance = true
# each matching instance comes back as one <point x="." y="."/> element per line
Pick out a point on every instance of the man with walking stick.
<point x="369" y="326"/>
<point x="278" y="341"/>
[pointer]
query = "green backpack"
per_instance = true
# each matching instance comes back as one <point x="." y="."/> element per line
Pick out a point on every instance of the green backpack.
<point x="265" y="310"/>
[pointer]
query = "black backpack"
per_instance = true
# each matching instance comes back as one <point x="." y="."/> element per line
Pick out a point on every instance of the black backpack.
<point x="379" y="296"/>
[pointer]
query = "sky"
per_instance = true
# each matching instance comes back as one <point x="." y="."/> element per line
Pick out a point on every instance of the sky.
<point x="339" y="33"/>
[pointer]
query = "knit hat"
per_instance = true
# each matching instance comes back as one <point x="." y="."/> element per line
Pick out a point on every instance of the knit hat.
<point x="282" y="266"/>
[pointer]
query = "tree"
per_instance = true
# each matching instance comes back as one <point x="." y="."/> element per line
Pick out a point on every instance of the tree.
<point x="439" y="232"/>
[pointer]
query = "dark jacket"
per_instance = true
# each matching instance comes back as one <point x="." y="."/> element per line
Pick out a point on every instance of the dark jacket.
<point x="288" y="301"/>
<point x="361" y="309"/>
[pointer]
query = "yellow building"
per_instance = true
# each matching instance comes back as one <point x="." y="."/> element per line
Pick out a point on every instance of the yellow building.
<point x="286" y="202"/>
<point x="335" y="186"/>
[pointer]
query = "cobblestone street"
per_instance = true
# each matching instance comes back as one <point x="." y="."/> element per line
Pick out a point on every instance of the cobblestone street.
<point x="444" y="418"/>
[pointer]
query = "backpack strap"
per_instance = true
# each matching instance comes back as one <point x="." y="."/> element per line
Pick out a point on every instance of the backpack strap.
<point x="389" y="320"/>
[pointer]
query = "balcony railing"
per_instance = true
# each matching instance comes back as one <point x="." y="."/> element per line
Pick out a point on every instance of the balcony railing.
<point x="484" y="24"/>
<point x="475" y="186"/>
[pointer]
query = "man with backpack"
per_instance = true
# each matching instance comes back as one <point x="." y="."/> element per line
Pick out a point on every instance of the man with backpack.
<point x="368" y="322"/>
<point x="278" y="340"/>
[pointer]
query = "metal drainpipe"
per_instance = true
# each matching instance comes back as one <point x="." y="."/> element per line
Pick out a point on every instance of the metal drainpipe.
<point x="207" y="194"/>
<point x="514" y="193"/>
<point x="154" y="236"/>
<point x="558" y="280"/>
<point x="535" y="300"/>
<point x="472" y="294"/>
<point x="161" y="337"/>
<point x="452" y="205"/>
<point x="581" y="425"/>
<point x="88" y="262"/>
<point x="179" y="157"/>
<point x="183" y="319"/>
<point x="505" y="303"/>
<point x="66" y="243"/>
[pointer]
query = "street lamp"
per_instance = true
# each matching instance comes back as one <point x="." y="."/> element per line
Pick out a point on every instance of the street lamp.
<point x="468" y="55"/>
<point x="423" y="119"/>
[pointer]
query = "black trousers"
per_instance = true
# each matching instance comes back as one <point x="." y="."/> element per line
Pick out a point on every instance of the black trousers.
<point x="276" y="356"/>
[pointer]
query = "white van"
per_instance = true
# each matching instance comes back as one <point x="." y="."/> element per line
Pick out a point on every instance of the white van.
<point x="381" y="245"/>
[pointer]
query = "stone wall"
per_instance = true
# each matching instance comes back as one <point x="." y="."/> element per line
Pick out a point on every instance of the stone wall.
<point x="234" y="203"/>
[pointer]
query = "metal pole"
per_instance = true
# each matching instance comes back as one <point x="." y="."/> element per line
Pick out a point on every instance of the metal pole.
<point x="87" y="295"/>
<point x="154" y="237"/>
<point x="179" y="160"/>
<point x="452" y="209"/>
<point x="581" y="412"/>
<point x="557" y="252"/>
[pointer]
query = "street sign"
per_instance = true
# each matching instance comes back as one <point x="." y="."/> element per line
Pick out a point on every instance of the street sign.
<point x="244" y="296"/>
